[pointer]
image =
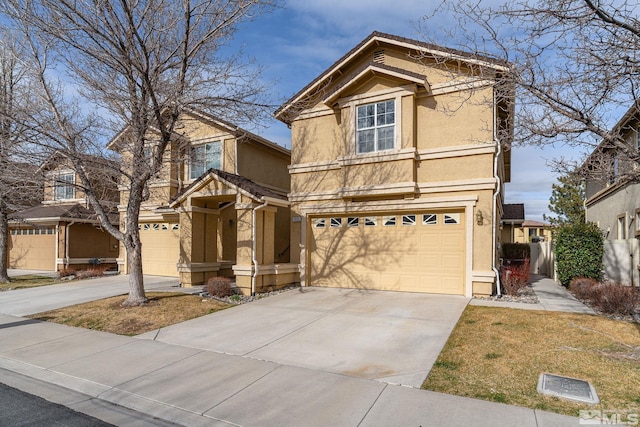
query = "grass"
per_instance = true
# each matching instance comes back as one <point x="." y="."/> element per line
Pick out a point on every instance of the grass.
<point x="497" y="354"/>
<point x="107" y="315"/>
<point x="29" y="281"/>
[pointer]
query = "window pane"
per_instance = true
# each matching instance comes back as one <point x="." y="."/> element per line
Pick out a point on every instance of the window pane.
<point x="353" y="221"/>
<point x="366" y="141"/>
<point x="389" y="220"/>
<point x="203" y="158"/>
<point x="385" y="138"/>
<point x="370" y="221"/>
<point x="453" y="218"/>
<point x="64" y="186"/>
<point x="336" y="222"/>
<point x="319" y="223"/>
<point x="408" y="220"/>
<point x="429" y="219"/>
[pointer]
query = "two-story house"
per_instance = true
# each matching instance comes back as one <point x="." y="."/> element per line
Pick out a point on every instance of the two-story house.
<point x="63" y="231"/>
<point x="612" y="200"/>
<point x="218" y="207"/>
<point x="399" y="156"/>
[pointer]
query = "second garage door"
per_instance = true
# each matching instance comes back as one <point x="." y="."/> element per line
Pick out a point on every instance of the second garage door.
<point x="160" y="248"/>
<point x="412" y="251"/>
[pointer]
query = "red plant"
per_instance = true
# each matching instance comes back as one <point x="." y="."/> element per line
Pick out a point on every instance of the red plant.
<point x="515" y="277"/>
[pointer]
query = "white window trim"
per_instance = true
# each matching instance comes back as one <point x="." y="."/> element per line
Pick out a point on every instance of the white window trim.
<point x="353" y="119"/>
<point x="196" y="144"/>
<point x="55" y="177"/>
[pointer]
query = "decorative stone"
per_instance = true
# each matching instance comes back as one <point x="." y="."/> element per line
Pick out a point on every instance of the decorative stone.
<point x="567" y="388"/>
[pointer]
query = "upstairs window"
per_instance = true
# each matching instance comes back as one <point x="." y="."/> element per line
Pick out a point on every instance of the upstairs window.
<point x="375" y="127"/>
<point x="204" y="157"/>
<point x="64" y="187"/>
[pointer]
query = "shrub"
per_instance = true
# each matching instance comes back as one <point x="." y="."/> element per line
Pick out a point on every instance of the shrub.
<point x="578" y="249"/>
<point x="220" y="287"/>
<point x="516" y="251"/>
<point x="515" y="278"/>
<point x="614" y="298"/>
<point x="93" y="271"/>
<point x="581" y="287"/>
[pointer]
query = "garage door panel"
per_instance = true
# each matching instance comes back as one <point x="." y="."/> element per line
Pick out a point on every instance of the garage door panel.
<point x="160" y="248"/>
<point x="33" y="251"/>
<point x="416" y="258"/>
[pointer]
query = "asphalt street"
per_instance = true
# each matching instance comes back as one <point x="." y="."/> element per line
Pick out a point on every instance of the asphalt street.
<point x="24" y="409"/>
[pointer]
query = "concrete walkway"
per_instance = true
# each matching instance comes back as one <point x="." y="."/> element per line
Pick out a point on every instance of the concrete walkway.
<point x="551" y="297"/>
<point x="555" y="297"/>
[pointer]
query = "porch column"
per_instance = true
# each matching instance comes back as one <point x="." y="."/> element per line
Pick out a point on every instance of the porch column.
<point x="198" y="242"/>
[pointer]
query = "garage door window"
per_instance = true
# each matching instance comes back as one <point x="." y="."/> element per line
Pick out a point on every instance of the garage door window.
<point x="429" y="219"/>
<point x="453" y="218"/>
<point x="319" y="223"/>
<point x="336" y="222"/>
<point x="370" y="221"/>
<point x="408" y="220"/>
<point x="389" y="221"/>
<point x="353" y="222"/>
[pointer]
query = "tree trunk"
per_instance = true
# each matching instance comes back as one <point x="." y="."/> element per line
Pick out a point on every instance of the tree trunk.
<point x="4" y="246"/>
<point x="136" y="284"/>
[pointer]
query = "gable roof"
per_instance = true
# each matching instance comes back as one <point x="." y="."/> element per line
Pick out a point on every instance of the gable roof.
<point x="236" y="182"/>
<point x="532" y="223"/>
<point x="70" y="212"/>
<point x="237" y="131"/>
<point x="378" y="38"/>
<point x="513" y="212"/>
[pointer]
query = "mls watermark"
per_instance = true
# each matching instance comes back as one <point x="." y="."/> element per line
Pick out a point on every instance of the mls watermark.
<point x="609" y="417"/>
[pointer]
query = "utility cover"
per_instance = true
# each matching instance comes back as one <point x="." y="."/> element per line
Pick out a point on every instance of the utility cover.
<point x="567" y="388"/>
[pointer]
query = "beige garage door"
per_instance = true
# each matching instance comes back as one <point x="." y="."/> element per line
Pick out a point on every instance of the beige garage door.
<point x="160" y="248"/>
<point x="33" y="248"/>
<point x="411" y="251"/>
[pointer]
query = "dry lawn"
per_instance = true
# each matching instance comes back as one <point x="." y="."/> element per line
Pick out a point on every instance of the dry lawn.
<point x="29" y="281"/>
<point x="498" y="353"/>
<point x="108" y="315"/>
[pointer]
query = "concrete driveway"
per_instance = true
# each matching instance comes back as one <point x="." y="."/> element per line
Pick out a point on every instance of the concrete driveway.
<point x="392" y="337"/>
<point x="23" y="302"/>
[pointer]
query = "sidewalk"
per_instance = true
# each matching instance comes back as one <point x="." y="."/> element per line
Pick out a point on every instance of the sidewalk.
<point x="551" y="297"/>
<point x="200" y="388"/>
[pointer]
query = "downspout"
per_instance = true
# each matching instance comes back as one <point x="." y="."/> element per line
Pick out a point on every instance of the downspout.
<point x="254" y="257"/>
<point x="66" y="244"/>
<point x="57" y="248"/>
<point x="495" y="200"/>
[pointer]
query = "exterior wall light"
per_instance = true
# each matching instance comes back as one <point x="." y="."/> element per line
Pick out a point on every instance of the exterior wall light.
<point x="479" y="217"/>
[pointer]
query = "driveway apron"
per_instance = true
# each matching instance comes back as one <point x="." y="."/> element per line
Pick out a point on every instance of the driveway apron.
<point x="393" y="337"/>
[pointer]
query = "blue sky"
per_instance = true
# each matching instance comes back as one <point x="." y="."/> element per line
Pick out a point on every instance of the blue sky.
<point x="299" y="41"/>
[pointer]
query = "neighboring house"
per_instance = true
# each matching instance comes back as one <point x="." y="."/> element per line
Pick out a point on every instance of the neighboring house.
<point x="218" y="207"/>
<point x="613" y="203"/>
<point x="535" y="231"/>
<point x="398" y="163"/>
<point x="511" y="222"/>
<point x="62" y="231"/>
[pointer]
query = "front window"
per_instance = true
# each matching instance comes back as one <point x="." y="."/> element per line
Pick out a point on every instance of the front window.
<point x="64" y="186"/>
<point x="375" y="127"/>
<point x="203" y="158"/>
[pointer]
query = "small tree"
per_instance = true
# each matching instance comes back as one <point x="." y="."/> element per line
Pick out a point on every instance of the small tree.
<point x="579" y="249"/>
<point x="567" y="200"/>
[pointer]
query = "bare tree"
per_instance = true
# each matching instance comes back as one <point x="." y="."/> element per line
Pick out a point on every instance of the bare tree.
<point x="575" y="65"/>
<point x="19" y="184"/>
<point x="142" y="63"/>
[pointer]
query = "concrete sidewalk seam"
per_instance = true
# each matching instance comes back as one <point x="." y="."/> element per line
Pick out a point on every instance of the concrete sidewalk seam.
<point x="373" y="404"/>
<point x="279" y="366"/>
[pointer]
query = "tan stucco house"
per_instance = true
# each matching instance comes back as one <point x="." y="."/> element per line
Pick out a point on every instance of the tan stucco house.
<point x="514" y="228"/>
<point x="399" y="156"/>
<point x="63" y="231"/>
<point x="218" y="207"/>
